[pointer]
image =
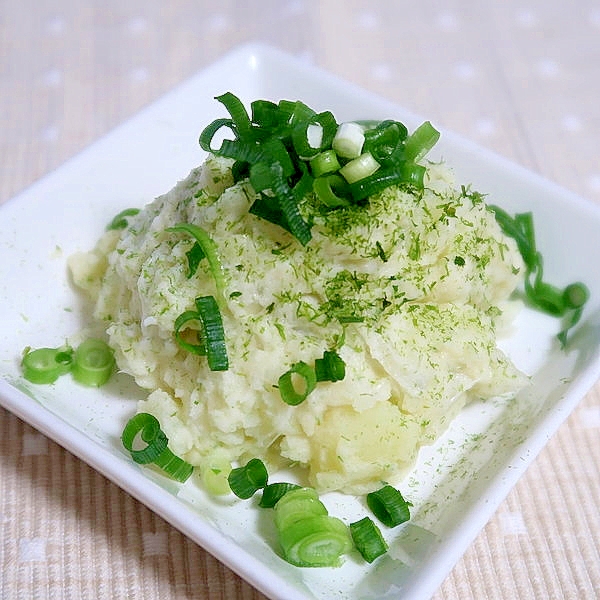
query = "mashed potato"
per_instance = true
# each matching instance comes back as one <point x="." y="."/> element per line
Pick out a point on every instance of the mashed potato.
<point x="425" y="277"/>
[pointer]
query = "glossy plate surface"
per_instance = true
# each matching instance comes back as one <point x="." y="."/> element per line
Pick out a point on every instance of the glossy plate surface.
<point x="456" y="485"/>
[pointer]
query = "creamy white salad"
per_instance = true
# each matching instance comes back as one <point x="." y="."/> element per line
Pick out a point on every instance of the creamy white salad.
<point x="411" y="289"/>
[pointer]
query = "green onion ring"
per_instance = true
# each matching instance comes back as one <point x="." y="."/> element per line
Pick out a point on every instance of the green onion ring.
<point x="209" y="132"/>
<point x="245" y="481"/>
<point x="148" y="427"/>
<point x="120" y="220"/>
<point x="332" y="190"/>
<point x="46" y="365"/>
<point x="93" y="362"/>
<point x="208" y="247"/>
<point x="156" y="452"/>
<point x="331" y="367"/>
<point x="368" y="539"/>
<point x="212" y="341"/>
<point x="388" y="505"/>
<point x="288" y="392"/>
<point x="273" y="492"/>
<point x="315" y="541"/>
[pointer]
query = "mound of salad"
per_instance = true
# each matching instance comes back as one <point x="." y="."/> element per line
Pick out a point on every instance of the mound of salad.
<point x="315" y="294"/>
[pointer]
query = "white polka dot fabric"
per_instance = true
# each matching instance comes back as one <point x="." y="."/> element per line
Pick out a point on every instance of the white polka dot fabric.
<point x="522" y="79"/>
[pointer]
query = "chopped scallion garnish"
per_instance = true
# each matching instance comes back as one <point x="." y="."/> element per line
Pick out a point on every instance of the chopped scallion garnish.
<point x="308" y="535"/>
<point x="245" y="481"/>
<point x="296" y="505"/>
<point x="315" y="541"/>
<point x="420" y="141"/>
<point x="332" y="190"/>
<point x="91" y="363"/>
<point x="120" y="220"/>
<point x="348" y="141"/>
<point x="46" y="365"/>
<point x="324" y="163"/>
<point x="368" y="539"/>
<point x="359" y="168"/>
<point x="564" y="303"/>
<point x="211" y="336"/>
<point x="388" y="505"/>
<point x="294" y="392"/>
<point x="275" y="145"/>
<point x="147" y="428"/>
<point x="208" y="248"/>
<point x="273" y="492"/>
<point x="331" y="367"/>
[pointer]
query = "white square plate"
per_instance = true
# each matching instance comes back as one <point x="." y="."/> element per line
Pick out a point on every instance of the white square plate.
<point x="457" y="483"/>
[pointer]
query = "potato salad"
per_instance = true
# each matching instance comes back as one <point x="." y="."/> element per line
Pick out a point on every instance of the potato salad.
<point x="407" y="289"/>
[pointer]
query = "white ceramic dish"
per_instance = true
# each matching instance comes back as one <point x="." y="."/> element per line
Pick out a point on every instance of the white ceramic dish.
<point x="456" y="485"/>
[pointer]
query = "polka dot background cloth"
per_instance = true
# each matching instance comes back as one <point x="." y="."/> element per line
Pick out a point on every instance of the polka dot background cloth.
<point x="520" y="78"/>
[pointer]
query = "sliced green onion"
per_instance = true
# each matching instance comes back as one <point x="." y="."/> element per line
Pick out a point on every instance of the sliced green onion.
<point x="268" y="208"/>
<point x="267" y="114"/>
<point x="388" y="505"/>
<point x="209" y="132"/>
<point x="521" y="230"/>
<point x="332" y="190"/>
<point x="194" y="256"/>
<point x="568" y="302"/>
<point x="570" y="320"/>
<point x="239" y="116"/>
<point x="413" y="174"/>
<point x="545" y="296"/>
<point x="212" y="340"/>
<point x="384" y="178"/>
<point x="386" y="142"/>
<point x="313" y="134"/>
<point x="273" y="151"/>
<point x="304" y="184"/>
<point x="214" y="336"/>
<point x="240" y="150"/>
<point x="240" y="170"/>
<point x="247" y="480"/>
<point x="208" y="247"/>
<point x="287" y="201"/>
<point x="575" y="295"/>
<point x="302" y="494"/>
<point x="331" y="367"/>
<point x="324" y="163"/>
<point x="274" y="145"/>
<point x="93" y="362"/>
<point x="46" y="365"/>
<point x="174" y="466"/>
<point x="420" y="141"/>
<point x="296" y="505"/>
<point x="273" y="492"/>
<point x="359" y="168"/>
<point x="214" y="475"/>
<point x="120" y="220"/>
<point x="287" y="388"/>
<point x="307" y="139"/>
<point x="283" y="208"/>
<point x="178" y="329"/>
<point x="348" y="140"/>
<point x="287" y="109"/>
<point x="316" y="541"/>
<point x="148" y="427"/>
<point x="368" y="539"/>
<point x="156" y="451"/>
<point x="261" y="177"/>
<point x="300" y="113"/>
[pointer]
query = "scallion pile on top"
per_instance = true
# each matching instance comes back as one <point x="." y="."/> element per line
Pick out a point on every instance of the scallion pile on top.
<point x="287" y="149"/>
